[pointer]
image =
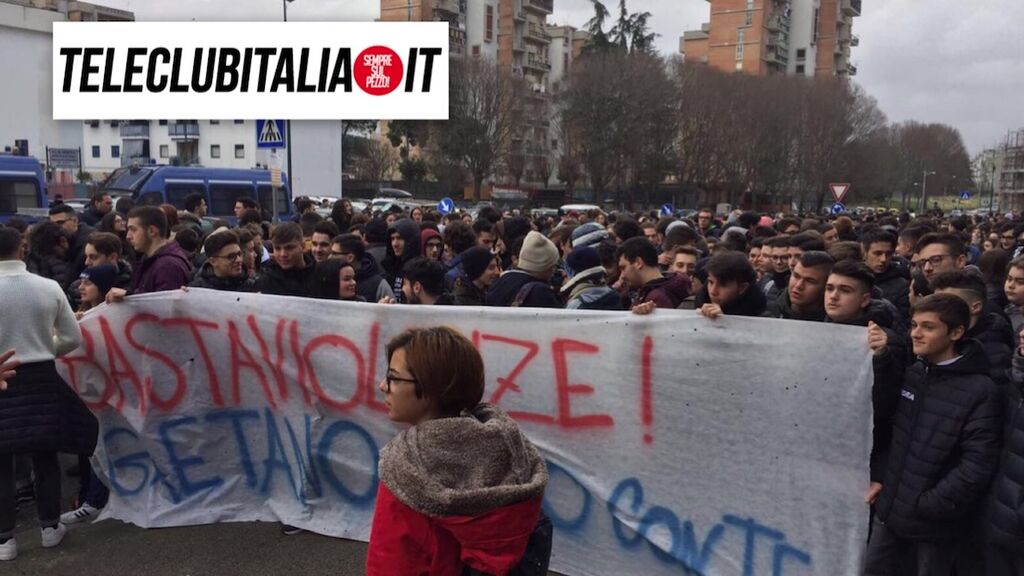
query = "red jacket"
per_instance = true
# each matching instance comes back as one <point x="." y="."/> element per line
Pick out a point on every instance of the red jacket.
<point x="404" y="542"/>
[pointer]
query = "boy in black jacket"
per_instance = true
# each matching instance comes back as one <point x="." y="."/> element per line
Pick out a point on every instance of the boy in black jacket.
<point x="945" y="447"/>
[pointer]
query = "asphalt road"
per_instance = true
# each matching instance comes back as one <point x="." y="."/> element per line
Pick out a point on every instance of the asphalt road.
<point x="113" y="548"/>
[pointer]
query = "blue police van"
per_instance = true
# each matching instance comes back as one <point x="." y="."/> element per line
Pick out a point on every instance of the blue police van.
<point x="222" y="187"/>
<point x="22" y="188"/>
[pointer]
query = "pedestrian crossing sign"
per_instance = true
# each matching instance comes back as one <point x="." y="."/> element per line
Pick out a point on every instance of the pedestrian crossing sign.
<point x="270" y="134"/>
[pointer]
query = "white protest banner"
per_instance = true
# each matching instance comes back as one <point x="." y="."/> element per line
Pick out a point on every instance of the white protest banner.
<point x="736" y="446"/>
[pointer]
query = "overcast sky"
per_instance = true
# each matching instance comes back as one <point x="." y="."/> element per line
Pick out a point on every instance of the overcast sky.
<point x="952" y="61"/>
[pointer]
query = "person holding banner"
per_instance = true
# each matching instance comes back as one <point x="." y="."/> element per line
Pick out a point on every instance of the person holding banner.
<point x="460" y="491"/>
<point x="7" y="368"/>
<point x="34" y="403"/>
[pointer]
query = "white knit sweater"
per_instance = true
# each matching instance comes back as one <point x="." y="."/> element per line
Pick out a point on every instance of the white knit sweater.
<point x="35" y="317"/>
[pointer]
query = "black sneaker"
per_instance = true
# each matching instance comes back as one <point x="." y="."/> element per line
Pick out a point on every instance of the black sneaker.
<point x="289" y="530"/>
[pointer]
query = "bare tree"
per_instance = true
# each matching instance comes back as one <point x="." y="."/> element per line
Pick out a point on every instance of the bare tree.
<point x="377" y="161"/>
<point x="483" y="111"/>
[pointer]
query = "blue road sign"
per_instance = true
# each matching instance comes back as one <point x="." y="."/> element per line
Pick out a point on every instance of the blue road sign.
<point x="270" y="134"/>
<point x="667" y="210"/>
<point x="965" y="195"/>
<point x="446" y="206"/>
<point x="838" y="208"/>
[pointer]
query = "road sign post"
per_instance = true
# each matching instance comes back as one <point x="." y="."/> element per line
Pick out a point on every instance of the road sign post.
<point x="275" y="182"/>
<point x="839" y="191"/>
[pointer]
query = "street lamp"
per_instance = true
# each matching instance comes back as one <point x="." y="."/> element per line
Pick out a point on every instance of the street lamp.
<point x="924" y="189"/>
<point x="287" y="123"/>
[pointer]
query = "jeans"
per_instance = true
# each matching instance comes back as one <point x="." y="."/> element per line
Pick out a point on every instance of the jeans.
<point x="47" y="484"/>
<point x="92" y="490"/>
<point x="886" y="550"/>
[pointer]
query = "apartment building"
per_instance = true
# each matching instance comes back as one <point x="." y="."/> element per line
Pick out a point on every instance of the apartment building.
<point x="761" y="37"/>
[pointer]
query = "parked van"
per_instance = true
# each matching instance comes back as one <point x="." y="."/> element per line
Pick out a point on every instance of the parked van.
<point x="578" y="208"/>
<point x="155" y="185"/>
<point x="22" y="188"/>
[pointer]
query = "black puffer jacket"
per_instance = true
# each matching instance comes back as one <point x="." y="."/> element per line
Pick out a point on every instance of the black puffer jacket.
<point x="52" y="266"/>
<point x="888" y="368"/>
<point x="505" y="289"/>
<point x="39" y="412"/>
<point x="750" y="303"/>
<point x="207" y="279"/>
<point x="1006" y="516"/>
<point x="945" y="448"/>
<point x="996" y="338"/>
<point x="275" y="280"/>
<point x="894" y="283"/>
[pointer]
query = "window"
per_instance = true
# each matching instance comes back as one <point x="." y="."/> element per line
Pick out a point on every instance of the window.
<point x="565" y="64"/>
<point x="740" y="38"/>
<point x="212" y="122"/>
<point x="163" y="122"/>
<point x="115" y="123"/>
<point x="750" y="17"/>
<point x="177" y="192"/>
<point x="750" y="5"/>
<point x="214" y="150"/>
<point x="266" y="195"/>
<point x="800" y="69"/>
<point x="801" y="54"/>
<point x="223" y="197"/>
<point x="489" y="23"/>
<point x="115" y="151"/>
<point x="15" y="195"/>
<point x="151" y="199"/>
<point x="164" y="153"/>
<point x="239" y="121"/>
<point x="239" y="150"/>
<point x="95" y="151"/>
<point x="476" y="50"/>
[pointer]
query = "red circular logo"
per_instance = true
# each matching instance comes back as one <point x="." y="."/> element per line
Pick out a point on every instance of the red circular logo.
<point x="378" y="70"/>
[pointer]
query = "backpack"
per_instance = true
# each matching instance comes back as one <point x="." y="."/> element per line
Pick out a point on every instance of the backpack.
<point x="524" y="293"/>
<point x="537" y="556"/>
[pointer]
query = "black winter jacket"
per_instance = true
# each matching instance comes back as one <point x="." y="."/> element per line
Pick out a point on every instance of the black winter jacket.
<point x="39" y="412"/>
<point x="996" y="338"/>
<point x="894" y="283"/>
<point x="505" y="289"/>
<point x="275" y="280"/>
<point x="207" y="279"/>
<point x="53" y="267"/>
<point x="1006" y="512"/>
<point x="750" y="303"/>
<point x="885" y="392"/>
<point x="945" y="448"/>
<point x="369" y="279"/>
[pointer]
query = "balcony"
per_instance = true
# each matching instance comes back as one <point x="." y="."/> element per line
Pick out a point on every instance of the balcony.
<point x="536" y="32"/>
<point x="457" y="41"/>
<point x="183" y="131"/>
<point x="518" y="45"/>
<point x="537" y="62"/>
<point x="851" y="7"/>
<point x="851" y="69"/>
<point x="135" y="131"/>
<point x="543" y="6"/>
<point x="777" y="57"/>
<point x="854" y="40"/>
<point x="446" y="6"/>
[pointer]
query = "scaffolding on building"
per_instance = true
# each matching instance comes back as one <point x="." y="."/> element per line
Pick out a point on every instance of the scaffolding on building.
<point x="1011" y="171"/>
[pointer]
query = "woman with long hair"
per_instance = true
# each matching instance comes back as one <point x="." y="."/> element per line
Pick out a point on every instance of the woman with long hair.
<point x="460" y="490"/>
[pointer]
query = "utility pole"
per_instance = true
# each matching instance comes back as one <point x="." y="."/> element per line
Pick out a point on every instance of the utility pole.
<point x="288" y="123"/>
<point x="924" y="190"/>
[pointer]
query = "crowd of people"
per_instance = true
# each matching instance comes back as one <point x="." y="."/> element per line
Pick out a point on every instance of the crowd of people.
<point x="940" y="297"/>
